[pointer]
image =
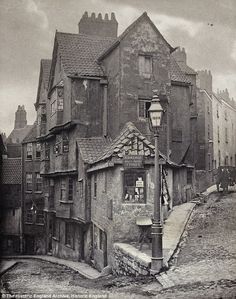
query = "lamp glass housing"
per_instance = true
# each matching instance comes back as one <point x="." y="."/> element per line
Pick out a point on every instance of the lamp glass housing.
<point x="155" y="114"/>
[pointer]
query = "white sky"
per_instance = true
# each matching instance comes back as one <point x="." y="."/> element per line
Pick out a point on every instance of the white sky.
<point x="27" y="29"/>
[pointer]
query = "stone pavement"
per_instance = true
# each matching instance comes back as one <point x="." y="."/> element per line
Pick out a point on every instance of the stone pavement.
<point x="80" y="267"/>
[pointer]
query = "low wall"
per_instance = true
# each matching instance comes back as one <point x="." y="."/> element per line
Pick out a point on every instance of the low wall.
<point x="128" y="260"/>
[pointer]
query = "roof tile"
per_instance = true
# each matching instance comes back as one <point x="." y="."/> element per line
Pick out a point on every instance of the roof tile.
<point x="11" y="171"/>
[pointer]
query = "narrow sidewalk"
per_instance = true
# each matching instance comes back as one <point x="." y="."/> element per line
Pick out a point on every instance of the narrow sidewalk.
<point x="82" y="268"/>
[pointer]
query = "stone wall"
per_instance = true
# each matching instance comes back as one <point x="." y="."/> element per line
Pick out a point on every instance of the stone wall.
<point x="127" y="260"/>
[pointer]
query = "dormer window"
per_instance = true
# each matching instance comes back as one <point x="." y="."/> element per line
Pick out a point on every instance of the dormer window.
<point x="145" y="65"/>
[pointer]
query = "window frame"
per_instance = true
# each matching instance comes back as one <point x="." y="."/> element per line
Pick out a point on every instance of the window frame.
<point x="38" y="149"/>
<point x="38" y="182"/>
<point x="135" y="172"/>
<point x="29" y="149"/>
<point x="145" y="102"/>
<point x="28" y="181"/>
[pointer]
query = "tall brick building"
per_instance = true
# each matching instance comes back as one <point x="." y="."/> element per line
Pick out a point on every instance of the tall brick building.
<point x="92" y="112"/>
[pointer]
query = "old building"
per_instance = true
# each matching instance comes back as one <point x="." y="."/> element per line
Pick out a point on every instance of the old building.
<point x="33" y="224"/>
<point x="224" y="129"/>
<point x="10" y="226"/>
<point x="98" y="83"/>
<point x="216" y="130"/>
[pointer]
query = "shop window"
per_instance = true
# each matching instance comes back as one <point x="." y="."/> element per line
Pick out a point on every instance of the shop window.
<point x="69" y="234"/>
<point x="145" y="65"/>
<point x="134" y="186"/>
<point x="143" y="106"/>
<point x="29" y="151"/>
<point x="29" y="181"/>
<point x="39" y="217"/>
<point x="38" y="182"/>
<point x="38" y="151"/>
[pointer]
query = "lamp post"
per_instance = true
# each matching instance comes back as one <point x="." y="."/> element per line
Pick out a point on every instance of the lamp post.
<point x="155" y="113"/>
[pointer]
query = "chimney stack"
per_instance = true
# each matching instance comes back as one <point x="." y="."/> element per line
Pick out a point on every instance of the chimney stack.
<point x="97" y="26"/>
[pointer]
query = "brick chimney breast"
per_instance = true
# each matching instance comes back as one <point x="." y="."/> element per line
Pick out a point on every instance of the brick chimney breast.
<point x="97" y="26"/>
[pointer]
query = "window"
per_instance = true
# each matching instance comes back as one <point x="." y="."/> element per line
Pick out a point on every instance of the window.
<point x="208" y="109"/>
<point x="218" y="134"/>
<point x="57" y="146"/>
<point x="63" y="190"/>
<point x="57" y="101"/>
<point x="29" y="181"/>
<point x="65" y="143"/>
<point x="209" y="161"/>
<point x="95" y="186"/>
<point x="219" y="157"/>
<point x="226" y="115"/>
<point x="80" y="189"/>
<point x="226" y="135"/>
<point x="70" y="189"/>
<point x="56" y="228"/>
<point x="217" y="111"/>
<point x="143" y="106"/>
<point x="39" y="217"/>
<point x="29" y="151"/>
<point x="134" y="186"/>
<point x="38" y="151"/>
<point x="51" y="194"/>
<point x="29" y="216"/>
<point x="231" y="161"/>
<point x="38" y="182"/>
<point x="47" y="151"/>
<point x="69" y="234"/>
<point x="145" y="66"/>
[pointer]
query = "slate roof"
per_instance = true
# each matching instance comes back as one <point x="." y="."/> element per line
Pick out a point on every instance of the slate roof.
<point x="92" y="148"/>
<point x="79" y="53"/>
<point x="116" y="148"/>
<point x="176" y="73"/>
<point x="31" y="136"/>
<point x="17" y="135"/>
<point x="11" y="171"/>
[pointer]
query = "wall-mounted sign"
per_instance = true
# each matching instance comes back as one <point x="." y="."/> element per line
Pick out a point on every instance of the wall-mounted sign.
<point x="133" y="161"/>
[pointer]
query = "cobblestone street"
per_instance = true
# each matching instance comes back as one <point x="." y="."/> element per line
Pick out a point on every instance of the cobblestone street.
<point x="204" y="267"/>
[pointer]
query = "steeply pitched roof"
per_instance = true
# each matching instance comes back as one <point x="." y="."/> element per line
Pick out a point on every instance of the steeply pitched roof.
<point x="92" y="148"/>
<point x="79" y="53"/>
<point x="186" y="69"/>
<point x="130" y="141"/>
<point x="129" y="29"/>
<point x="176" y="73"/>
<point x="45" y="66"/>
<point x="11" y="171"/>
<point x="31" y="136"/>
<point x="17" y="135"/>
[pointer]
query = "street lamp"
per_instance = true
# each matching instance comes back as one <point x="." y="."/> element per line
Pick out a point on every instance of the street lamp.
<point x="155" y="114"/>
